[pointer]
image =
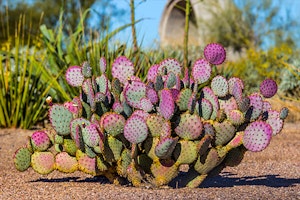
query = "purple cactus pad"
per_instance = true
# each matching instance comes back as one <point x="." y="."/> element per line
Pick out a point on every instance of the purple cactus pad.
<point x="74" y="76"/>
<point x="122" y="69"/>
<point x="215" y="53"/>
<point x="257" y="136"/>
<point x="268" y="88"/>
<point x="201" y="71"/>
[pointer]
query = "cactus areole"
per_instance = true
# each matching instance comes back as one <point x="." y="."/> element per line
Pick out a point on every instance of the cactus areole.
<point x="144" y="131"/>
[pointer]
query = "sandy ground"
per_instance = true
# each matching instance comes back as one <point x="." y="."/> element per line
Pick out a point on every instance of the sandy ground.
<point x="271" y="174"/>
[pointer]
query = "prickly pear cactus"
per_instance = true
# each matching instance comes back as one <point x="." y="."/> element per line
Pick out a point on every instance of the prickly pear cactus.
<point x="125" y="128"/>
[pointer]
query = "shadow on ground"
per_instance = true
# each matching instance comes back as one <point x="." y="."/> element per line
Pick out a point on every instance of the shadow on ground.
<point x="223" y="180"/>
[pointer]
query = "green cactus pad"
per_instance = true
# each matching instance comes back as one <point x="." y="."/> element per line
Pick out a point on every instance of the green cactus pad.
<point x="133" y="175"/>
<point x="112" y="123"/>
<point x="101" y="164"/>
<point x="219" y="86"/>
<point x="149" y="145"/>
<point x="170" y="80"/>
<point x="183" y="99"/>
<point x="76" y="128"/>
<point x="163" y="172"/>
<point x="185" y="152"/>
<point x="124" y="162"/>
<point x="224" y="132"/>
<point x="85" y="163"/>
<point x="43" y="162"/>
<point x="205" y="109"/>
<point x="69" y="146"/>
<point x="122" y="69"/>
<point x="135" y="129"/>
<point x="116" y="146"/>
<point x="88" y="90"/>
<point x="203" y="144"/>
<point x="159" y="83"/>
<point x="102" y="84"/>
<point x="208" y="94"/>
<point x="74" y="76"/>
<point x="166" y="104"/>
<point x="190" y="126"/>
<point x="134" y="92"/>
<point x="65" y="163"/>
<point x="60" y="118"/>
<point x="235" y="88"/>
<point x="207" y="162"/>
<point x="236" y="117"/>
<point x="58" y="139"/>
<point x="89" y="151"/>
<point x="201" y="71"/>
<point x="155" y="123"/>
<point x="86" y="69"/>
<point x="283" y="113"/>
<point x="165" y="147"/>
<point x="22" y="159"/>
<point x="40" y="141"/>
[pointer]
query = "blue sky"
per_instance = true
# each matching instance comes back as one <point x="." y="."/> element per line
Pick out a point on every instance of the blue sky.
<point x="147" y="30"/>
<point x="151" y="11"/>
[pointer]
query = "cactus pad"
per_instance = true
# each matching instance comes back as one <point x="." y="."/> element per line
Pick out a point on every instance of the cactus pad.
<point x="236" y="117"/>
<point x="283" y="113"/>
<point x="40" y="141"/>
<point x="170" y="65"/>
<point x="85" y="163"/>
<point x="135" y="129"/>
<point x="274" y="121"/>
<point x="183" y="99"/>
<point x="42" y="162"/>
<point x="166" y="104"/>
<point x="152" y="73"/>
<point x="257" y="136"/>
<point x="224" y="132"/>
<point x="65" y="163"/>
<point x="22" y="159"/>
<point x="165" y="147"/>
<point x="185" y="152"/>
<point x="122" y="69"/>
<point x="205" y="109"/>
<point x="215" y="53"/>
<point x="256" y="104"/>
<point x="112" y="123"/>
<point x="102" y="65"/>
<point x="60" y="118"/>
<point x="155" y="123"/>
<point x="268" y="88"/>
<point x="74" y="76"/>
<point x="219" y="86"/>
<point x="86" y="69"/>
<point x="190" y="126"/>
<point x="209" y="95"/>
<point x="201" y="71"/>
<point x="134" y="92"/>
<point x="152" y="95"/>
<point x="91" y="135"/>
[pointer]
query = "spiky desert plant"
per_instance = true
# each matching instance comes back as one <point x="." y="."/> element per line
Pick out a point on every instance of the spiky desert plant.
<point x="145" y="131"/>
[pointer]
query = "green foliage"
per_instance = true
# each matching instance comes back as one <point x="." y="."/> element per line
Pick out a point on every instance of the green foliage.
<point x="256" y="65"/>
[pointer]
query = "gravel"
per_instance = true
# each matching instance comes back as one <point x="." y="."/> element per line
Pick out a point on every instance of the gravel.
<point x="271" y="174"/>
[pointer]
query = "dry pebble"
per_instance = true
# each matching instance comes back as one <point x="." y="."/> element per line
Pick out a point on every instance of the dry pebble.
<point x="271" y="174"/>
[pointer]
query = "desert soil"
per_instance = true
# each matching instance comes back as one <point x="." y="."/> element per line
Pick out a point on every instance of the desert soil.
<point x="271" y="174"/>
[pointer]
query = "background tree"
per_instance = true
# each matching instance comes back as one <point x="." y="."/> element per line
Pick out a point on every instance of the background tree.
<point x="38" y="12"/>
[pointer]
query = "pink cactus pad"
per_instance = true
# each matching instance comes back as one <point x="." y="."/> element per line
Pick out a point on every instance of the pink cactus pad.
<point x="152" y="95"/>
<point x="266" y="106"/>
<point x="171" y="65"/>
<point x="73" y="108"/>
<point x="42" y="162"/>
<point x="85" y="163"/>
<point x="201" y="71"/>
<point x="112" y="123"/>
<point x="143" y="114"/>
<point x="215" y="53"/>
<point x="235" y="88"/>
<point x="117" y="107"/>
<point x="122" y="69"/>
<point x="40" y="141"/>
<point x="228" y="104"/>
<point x="135" y="130"/>
<point x="257" y="136"/>
<point x="190" y="126"/>
<point x="74" y="76"/>
<point x="274" y="121"/>
<point x="166" y="104"/>
<point x="65" y="163"/>
<point x="91" y="135"/>
<point x="268" y="88"/>
<point x="102" y="64"/>
<point x="152" y="73"/>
